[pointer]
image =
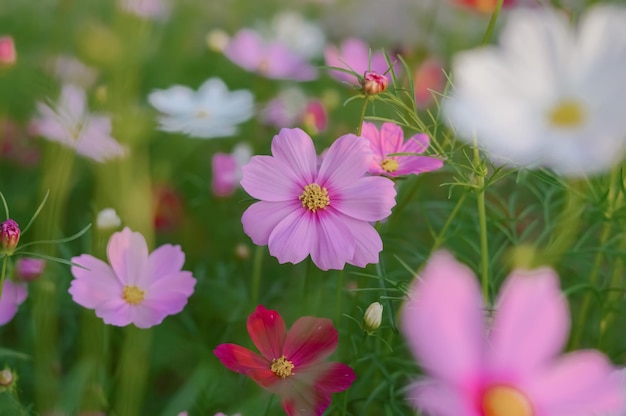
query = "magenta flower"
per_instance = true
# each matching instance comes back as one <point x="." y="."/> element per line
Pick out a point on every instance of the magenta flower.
<point x="136" y="288"/>
<point x="291" y="363"/>
<point x="13" y="295"/>
<point x="510" y="367"/>
<point x="326" y="211"/>
<point x="70" y="124"/>
<point x="269" y="59"/>
<point x="8" y="55"/>
<point x="226" y="169"/>
<point x="9" y="236"/>
<point x="29" y="269"/>
<point x="354" y="55"/>
<point x="390" y="140"/>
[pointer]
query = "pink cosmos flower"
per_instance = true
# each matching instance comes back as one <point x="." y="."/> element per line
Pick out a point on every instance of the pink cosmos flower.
<point x="510" y="367"/>
<point x="354" y="55"/>
<point x="323" y="211"/>
<point x="226" y="169"/>
<point x="292" y="108"/>
<point x="428" y="79"/>
<point x="13" y="295"/>
<point x="8" y="56"/>
<point x="390" y="140"/>
<point x="291" y="363"/>
<point x="70" y="124"/>
<point x="137" y="287"/>
<point x="269" y="59"/>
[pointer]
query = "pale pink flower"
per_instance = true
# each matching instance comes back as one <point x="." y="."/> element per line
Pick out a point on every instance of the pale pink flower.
<point x="29" y="269"/>
<point x="70" y="70"/>
<point x="13" y="295"/>
<point x="270" y="59"/>
<point x="292" y="364"/>
<point x="70" y="124"/>
<point x="136" y="287"/>
<point x="354" y="55"/>
<point x="147" y="9"/>
<point x="8" y="55"/>
<point x="323" y="211"/>
<point x="390" y="140"/>
<point x="226" y="169"/>
<point x="510" y="367"/>
<point x="292" y="108"/>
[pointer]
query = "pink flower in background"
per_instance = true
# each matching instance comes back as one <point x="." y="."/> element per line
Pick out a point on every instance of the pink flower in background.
<point x="136" y="287"/>
<point x="147" y="9"/>
<point x="292" y="364"/>
<point x="8" y="55"/>
<point x="291" y="108"/>
<point x="428" y="79"/>
<point x="70" y="124"/>
<point x="13" y="295"/>
<point x="29" y="269"/>
<point x="227" y="169"/>
<point x="354" y="55"/>
<point x="390" y="140"/>
<point x="270" y="59"/>
<point x="323" y="211"/>
<point x="510" y="367"/>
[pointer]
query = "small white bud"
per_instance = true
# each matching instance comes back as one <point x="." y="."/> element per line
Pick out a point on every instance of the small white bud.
<point x="108" y="219"/>
<point x="373" y="316"/>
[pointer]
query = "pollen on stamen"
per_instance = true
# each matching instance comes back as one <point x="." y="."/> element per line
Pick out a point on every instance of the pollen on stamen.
<point x="505" y="400"/>
<point x="314" y="197"/>
<point x="282" y="367"/>
<point x="389" y="165"/>
<point x="133" y="295"/>
<point x="567" y="114"/>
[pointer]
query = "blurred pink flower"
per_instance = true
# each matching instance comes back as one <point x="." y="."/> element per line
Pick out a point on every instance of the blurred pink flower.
<point x="354" y="55"/>
<point x="323" y="211"/>
<point x="137" y="287"/>
<point x="168" y="208"/>
<point x="13" y="295"/>
<point x="291" y="108"/>
<point x="390" y="140"/>
<point x="147" y="9"/>
<point x="70" y="70"/>
<point x="428" y="79"/>
<point x="8" y="55"/>
<point x="270" y="59"/>
<point x="28" y="268"/>
<point x="70" y="124"/>
<point x="291" y="364"/>
<point x="510" y="367"/>
<point x="227" y="169"/>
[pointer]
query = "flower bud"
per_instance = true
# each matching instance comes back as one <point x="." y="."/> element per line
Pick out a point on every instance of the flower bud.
<point x="108" y="219"/>
<point x="9" y="236"/>
<point x="8" y="56"/>
<point x="29" y="269"/>
<point x="6" y="378"/>
<point x="373" y="316"/>
<point x="373" y="83"/>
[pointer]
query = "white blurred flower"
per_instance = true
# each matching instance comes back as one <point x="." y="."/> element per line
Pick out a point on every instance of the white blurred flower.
<point x="548" y="95"/>
<point x="298" y="34"/>
<point x="107" y="219"/>
<point x="212" y="111"/>
<point x="147" y="9"/>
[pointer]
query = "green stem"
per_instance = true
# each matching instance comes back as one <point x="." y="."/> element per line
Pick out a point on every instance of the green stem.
<point x="439" y="238"/>
<point x="362" y="116"/>
<point x="482" y="223"/>
<point x="256" y="275"/>
<point x="133" y="371"/>
<point x="5" y="260"/>
<point x="492" y="22"/>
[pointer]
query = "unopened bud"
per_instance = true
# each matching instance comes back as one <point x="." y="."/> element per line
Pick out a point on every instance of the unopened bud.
<point x="373" y="316"/>
<point x="373" y="83"/>
<point x="108" y="219"/>
<point x="9" y="236"/>
<point x="6" y="377"/>
<point x="8" y="56"/>
<point x="29" y="269"/>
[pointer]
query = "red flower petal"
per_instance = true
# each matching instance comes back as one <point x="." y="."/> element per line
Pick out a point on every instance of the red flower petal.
<point x="310" y="340"/>
<point x="267" y="330"/>
<point x="242" y="360"/>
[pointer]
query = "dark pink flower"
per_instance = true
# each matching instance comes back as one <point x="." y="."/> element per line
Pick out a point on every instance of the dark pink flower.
<point x="8" y="56"/>
<point x="9" y="236"/>
<point x="270" y="59"/>
<point x="390" y="140"/>
<point x="354" y="55"/>
<point x="292" y="364"/>
<point x="374" y="83"/>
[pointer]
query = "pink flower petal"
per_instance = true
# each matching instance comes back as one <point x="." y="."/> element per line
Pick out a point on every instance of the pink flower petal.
<point x="417" y="164"/>
<point x="368" y="199"/>
<point x="579" y="384"/>
<point x="128" y="254"/>
<point x="244" y="361"/>
<point x="331" y="377"/>
<point x="73" y="101"/>
<point x="347" y="160"/>
<point x="334" y="245"/>
<point x="368" y="242"/>
<point x="391" y="138"/>
<point x="267" y="331"/>
<point x="260" y="219"/>
<point x="270" y="179"/>
<point x="170" y="293"/>
<point x="416" y="144"/>
<point x="95" y="283"/>
<point x="163" y="262"/>
<point x="443" y="320"/>
<point x="285" y="64"/>
<point x="115" y="311"/>
<point x="531" y="322"/>
<point x="293" y="238"/>
<point x="295" y="148"/>
<point x="434" y="398"/>
<point x="309" y="341"/>
<point x="245" y="49"/>
<point x="146" y="316"/>
<point x="303" y="401"/>
<point x="13" y="294"/>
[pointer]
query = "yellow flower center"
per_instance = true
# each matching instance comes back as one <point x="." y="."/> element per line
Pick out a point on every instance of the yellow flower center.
<point x="133" y="295"/>
<point x="567" y="114"/>
<point x="203" y="114"/>
<point x="314" y="197"/>
<point x="282" y="367"/>
<point x="505" y="401"/>
<point x="389" y="165"/>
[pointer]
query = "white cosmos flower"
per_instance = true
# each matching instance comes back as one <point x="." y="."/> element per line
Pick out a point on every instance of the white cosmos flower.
<point x="212" y="111"/>
<point x="549" y="95"/>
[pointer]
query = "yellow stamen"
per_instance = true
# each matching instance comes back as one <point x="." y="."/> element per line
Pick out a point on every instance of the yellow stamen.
<point x="133" y="295"/>
<point x="282" y="367"/>
<point x="567" y="114"/>
<point x="314" y="197"/>
<point x="203" y="114"/>
<point x="389" y="165"/>
<point x="505" y="401"/>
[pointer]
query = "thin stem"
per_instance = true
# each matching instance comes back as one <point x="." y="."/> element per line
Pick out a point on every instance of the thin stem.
<point x="362" y="116"/>
<point x="492" y="22"/>
<point x="133" y="368"/>
<point x="5" y="260"/>
<point x="256" y="275"/>
<point x="439" y="238"/>
<point x="482" y="223"/>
